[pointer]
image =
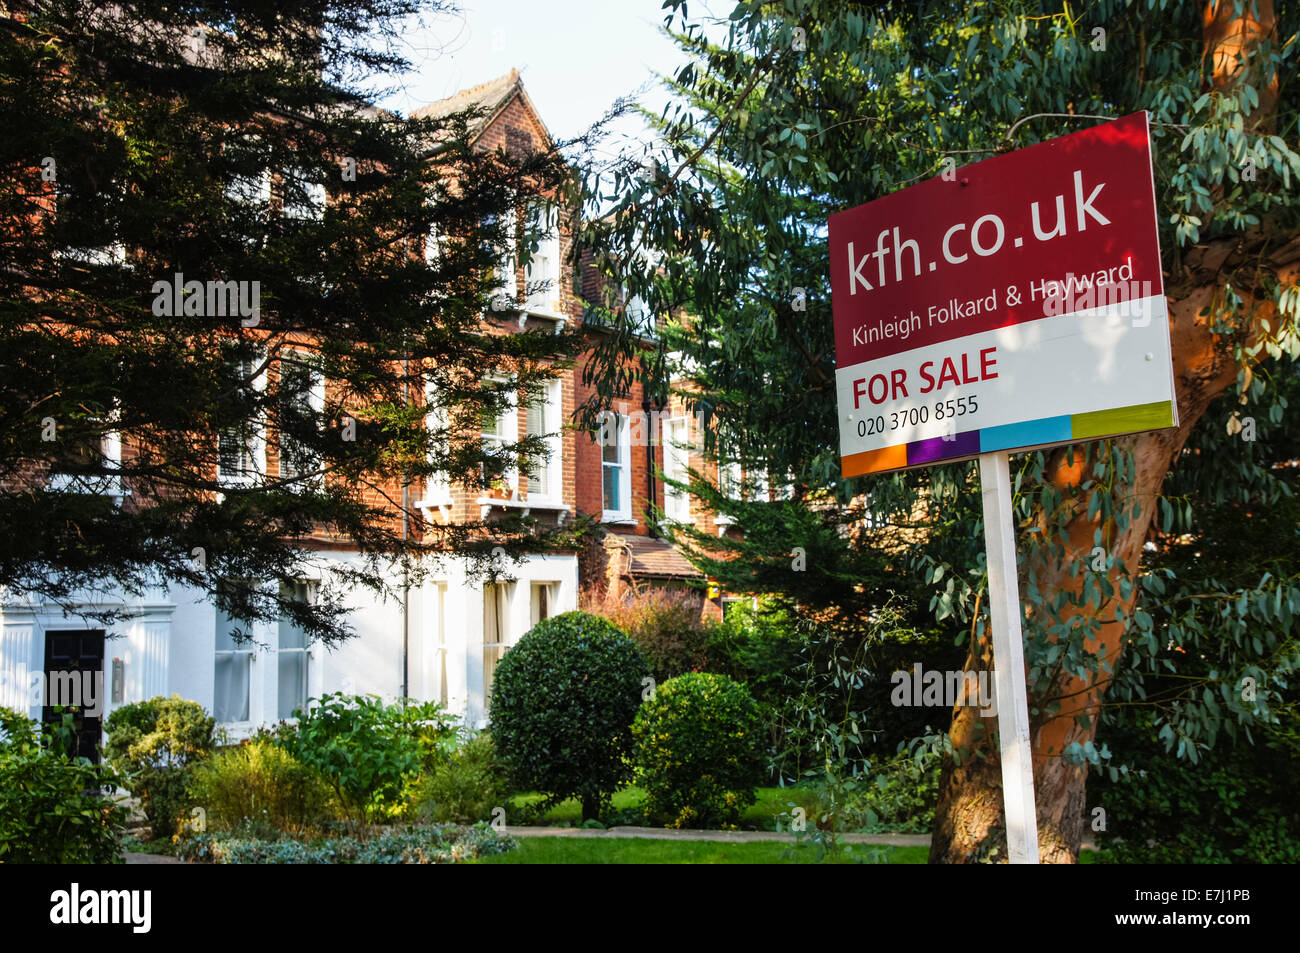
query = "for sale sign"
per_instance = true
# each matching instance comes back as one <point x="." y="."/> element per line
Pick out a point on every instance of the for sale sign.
<point x="1010" y="304"/>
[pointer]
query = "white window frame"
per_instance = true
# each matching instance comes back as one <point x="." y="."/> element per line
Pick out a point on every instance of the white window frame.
<point x="620" y="434"/>
<point x="502" y="598"/>
<point x="638" y="313"/>
<point x="312" y="209"/>
<point x="543" y="270"/>
<point x="730" y="483"/>
<point x="109" y="484"/>
<point x="507" y="265"/>
<point x="438" y="660"/>
<point x="256" y="448"/>
<point x="248" y="649"/>
<point x="434" y="248"/>
<point x="536" y="590"/>
<point x="248" y="190"/>
<point x="509" y="421"/>
<point x="549" y="471"/>
<point x="316" y="402"/>
<point x="309" y="588"/>
<point x="677" y="449"/>
<point x="437" y="487"/>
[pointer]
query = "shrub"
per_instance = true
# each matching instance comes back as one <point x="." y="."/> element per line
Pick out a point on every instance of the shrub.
<point x="367" y="750"/>
<point x="414" y="845"/>
<point x="1236" y="805"/>
<point x="562" y="706"/>
<point x="51" y="808"/>
<point x="154" y="745"/>
<point x="260" y="782"/>
<point x="666" y="626"/>
<point x="465" y="787"/>
<point x="698" y="751"/>
<point x="759" y="648"/>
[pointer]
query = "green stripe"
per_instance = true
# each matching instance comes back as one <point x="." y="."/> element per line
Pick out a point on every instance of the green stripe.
<point x="1107" y="423"/>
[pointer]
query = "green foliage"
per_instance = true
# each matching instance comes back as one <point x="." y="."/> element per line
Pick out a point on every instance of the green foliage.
<point x="1235" y="806"/>
<point x="261" y="783"/>
<point x="128" y="152"/>
<point x="410" y="845"/>
<point x="758" y="648"/>
<point x="464" y="787"/>
<point x="666" y="625"/>
<point x="764" y="140"/>
<point x="562" y="705"/>
<point x="700" y="743"/>
<point x="154" y="745"/>
<point x="905" y="788"/>
<point x="366" y="750"/>
<point x="52" y="807"/>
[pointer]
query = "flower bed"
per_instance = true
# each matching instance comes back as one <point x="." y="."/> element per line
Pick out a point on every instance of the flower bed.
<point x="409" y="845"/>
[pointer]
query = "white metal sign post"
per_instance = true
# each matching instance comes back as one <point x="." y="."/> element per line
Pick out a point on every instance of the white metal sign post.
<point x="1017" y="304"/>
<point x="1008" y="660"/>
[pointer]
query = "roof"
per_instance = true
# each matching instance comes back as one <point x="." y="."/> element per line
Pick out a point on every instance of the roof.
<point x="652" y="558"/>
<point x="491" y="97"/>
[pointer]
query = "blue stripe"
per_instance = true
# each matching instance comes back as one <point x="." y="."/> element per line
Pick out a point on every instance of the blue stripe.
<point x="1028" y="433"/>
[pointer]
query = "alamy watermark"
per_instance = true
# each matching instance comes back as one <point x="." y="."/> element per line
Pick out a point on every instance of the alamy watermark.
<point x="215" y="299"/>
<point x="944" y="689"/>
<point x="82" y="689"/>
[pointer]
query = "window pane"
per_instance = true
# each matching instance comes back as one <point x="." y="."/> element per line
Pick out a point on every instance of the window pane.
<point x="292" y="682"/>
<point x="613" y="487"/>
<point x="539" y="482"/>
<point x="225" y="625"/>
<point x="230" y="691"/>
<point x="291" y="636"/>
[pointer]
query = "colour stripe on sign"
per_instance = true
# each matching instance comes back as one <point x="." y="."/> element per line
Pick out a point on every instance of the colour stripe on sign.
<point x="1103" y="423"/>
<point x="873" y="461"/>
<point x="1029" y="433"/>
<point x="937" y="448"/>
<point x="1026" y="433"/>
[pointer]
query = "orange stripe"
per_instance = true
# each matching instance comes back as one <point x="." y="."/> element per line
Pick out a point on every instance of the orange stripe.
<point x="873" y="461"/>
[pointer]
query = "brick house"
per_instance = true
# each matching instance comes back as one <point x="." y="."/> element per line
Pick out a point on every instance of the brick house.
<point x="443" y="640"/>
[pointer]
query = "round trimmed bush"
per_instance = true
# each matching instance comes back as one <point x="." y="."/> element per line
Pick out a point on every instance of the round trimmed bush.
<point x="698" y="751"/>
<point x="563" y="701"/>
<point x="154" y="745"/>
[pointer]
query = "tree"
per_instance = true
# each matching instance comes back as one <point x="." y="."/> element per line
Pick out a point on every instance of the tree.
<point x="562" y="706"/>
<point x="788" y="112"/>
<point x="214" y="251"/>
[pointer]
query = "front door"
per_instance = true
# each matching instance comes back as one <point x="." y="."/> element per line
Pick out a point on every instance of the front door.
<point x="69" y="656"/>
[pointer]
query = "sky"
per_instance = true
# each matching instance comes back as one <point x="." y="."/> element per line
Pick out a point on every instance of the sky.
<point x="576" y="57"/>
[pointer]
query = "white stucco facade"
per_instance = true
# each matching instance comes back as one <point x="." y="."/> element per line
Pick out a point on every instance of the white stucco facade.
<point x="170" y="645"/>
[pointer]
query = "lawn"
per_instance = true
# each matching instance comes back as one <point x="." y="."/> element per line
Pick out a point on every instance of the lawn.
<point x="760" y="816"/>
<point x="636" y="850"/>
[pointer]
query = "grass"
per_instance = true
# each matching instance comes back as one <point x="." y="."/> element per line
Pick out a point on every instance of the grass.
<point x="638" y="850"/>
<point x="138" y="845"/>
<point x="759" y="816"/>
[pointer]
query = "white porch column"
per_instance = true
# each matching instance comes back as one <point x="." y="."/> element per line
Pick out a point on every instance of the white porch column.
<point x="17" y="669"/>
<point x="146" y="659"/>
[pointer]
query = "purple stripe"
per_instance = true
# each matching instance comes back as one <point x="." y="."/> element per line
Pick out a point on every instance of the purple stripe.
<point x="936" y="448"/>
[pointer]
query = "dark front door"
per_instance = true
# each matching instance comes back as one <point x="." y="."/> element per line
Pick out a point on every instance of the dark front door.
<point x="69" y="657"/>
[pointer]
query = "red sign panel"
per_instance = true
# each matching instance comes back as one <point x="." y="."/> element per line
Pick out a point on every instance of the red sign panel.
<point x="1057" y="241"/>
